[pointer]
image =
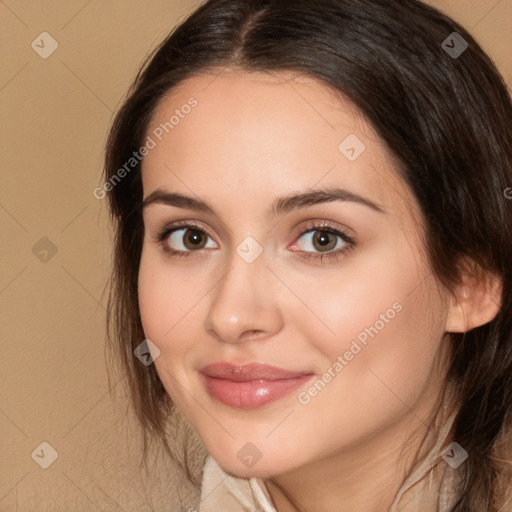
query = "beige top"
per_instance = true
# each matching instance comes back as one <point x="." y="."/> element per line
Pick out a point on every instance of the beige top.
<point x="429" y="487"/>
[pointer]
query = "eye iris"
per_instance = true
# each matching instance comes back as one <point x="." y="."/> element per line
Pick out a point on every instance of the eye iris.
<point x="323" y="240"/>
<point x="193" y="236"/>
<point x="322" y="237"/>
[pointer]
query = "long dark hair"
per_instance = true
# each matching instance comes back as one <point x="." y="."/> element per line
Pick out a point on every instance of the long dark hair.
<point x="443" y="111"/>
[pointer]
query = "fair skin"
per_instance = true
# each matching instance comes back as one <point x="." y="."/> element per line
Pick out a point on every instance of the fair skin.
<point x="253" y="138"/>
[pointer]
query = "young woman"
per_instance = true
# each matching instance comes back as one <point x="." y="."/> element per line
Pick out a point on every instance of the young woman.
<point x="312" y="290"/>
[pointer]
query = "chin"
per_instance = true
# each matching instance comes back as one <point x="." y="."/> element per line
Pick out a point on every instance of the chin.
<point x="241" y="465"/>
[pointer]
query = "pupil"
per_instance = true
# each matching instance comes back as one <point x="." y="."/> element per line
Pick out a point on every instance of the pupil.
<point x="323" y="238"/>
<point x="194" y="237"/>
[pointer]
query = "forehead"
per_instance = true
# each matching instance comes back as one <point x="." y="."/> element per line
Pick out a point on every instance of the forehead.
<point x="220" y="133"/>
<point x="260" y="104"/>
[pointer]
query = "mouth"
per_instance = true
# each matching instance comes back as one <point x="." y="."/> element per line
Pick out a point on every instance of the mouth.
<point x="251" y="385"/>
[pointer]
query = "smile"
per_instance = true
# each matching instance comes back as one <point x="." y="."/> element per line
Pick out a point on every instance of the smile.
<point x="252" y="385"/>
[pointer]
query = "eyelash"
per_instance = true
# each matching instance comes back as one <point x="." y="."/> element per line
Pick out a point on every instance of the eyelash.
<point x="323" y="226"/>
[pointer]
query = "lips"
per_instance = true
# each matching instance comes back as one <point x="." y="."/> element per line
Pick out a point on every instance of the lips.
<point x="250" y="371"/>
<point x="250" y="385"/>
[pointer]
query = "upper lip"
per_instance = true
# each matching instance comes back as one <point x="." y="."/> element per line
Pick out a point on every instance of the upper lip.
<point x="249" y="371"/>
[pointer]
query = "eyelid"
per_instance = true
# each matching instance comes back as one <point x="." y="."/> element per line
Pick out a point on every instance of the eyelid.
<point x="181" y="224"/>
<point x="312" y="225"/>
<point x="320" y="224"/>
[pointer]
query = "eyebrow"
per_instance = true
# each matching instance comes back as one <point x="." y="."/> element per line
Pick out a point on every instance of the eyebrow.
<point x="280" y="206"/>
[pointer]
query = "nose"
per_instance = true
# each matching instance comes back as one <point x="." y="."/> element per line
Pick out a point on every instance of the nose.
<point x="245" y="303"/>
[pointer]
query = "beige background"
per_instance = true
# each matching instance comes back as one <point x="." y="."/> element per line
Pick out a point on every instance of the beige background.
<point x="55" y="114"/>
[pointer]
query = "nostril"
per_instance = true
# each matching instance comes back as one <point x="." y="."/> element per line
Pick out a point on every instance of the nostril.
<point x="254" y="334"/>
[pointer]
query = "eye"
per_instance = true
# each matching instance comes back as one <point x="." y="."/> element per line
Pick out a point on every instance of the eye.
<point x="184" y="239"/>
<point x="329" y="241"/>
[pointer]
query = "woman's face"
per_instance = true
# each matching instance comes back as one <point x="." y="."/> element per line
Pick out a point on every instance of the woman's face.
<point x="338" y="292"/>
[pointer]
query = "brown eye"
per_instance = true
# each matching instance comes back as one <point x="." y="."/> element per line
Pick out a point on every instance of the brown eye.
<point x="194" y="239"/>
<point x="321" y="240"/>
<point x="186" y="239"/>
<point x="324" y="240"/>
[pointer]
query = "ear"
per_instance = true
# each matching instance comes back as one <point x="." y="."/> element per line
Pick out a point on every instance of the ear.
<point x="476" y="301"/>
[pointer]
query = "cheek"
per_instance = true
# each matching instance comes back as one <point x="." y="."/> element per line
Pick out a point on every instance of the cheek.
<point x="381" y="360"/>
<point x="166" y="302"/>
<point x="384" y="328"/>
<point x="360" y="301"/>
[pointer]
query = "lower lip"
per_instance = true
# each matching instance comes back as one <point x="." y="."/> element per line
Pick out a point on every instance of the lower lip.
<point x="251" y="394"/>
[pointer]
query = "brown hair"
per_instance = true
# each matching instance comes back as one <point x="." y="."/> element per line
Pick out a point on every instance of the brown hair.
<point x="447" y="119"/>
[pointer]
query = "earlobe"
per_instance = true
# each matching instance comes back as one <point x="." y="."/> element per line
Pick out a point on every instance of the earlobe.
<point x="475" y="302"/>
